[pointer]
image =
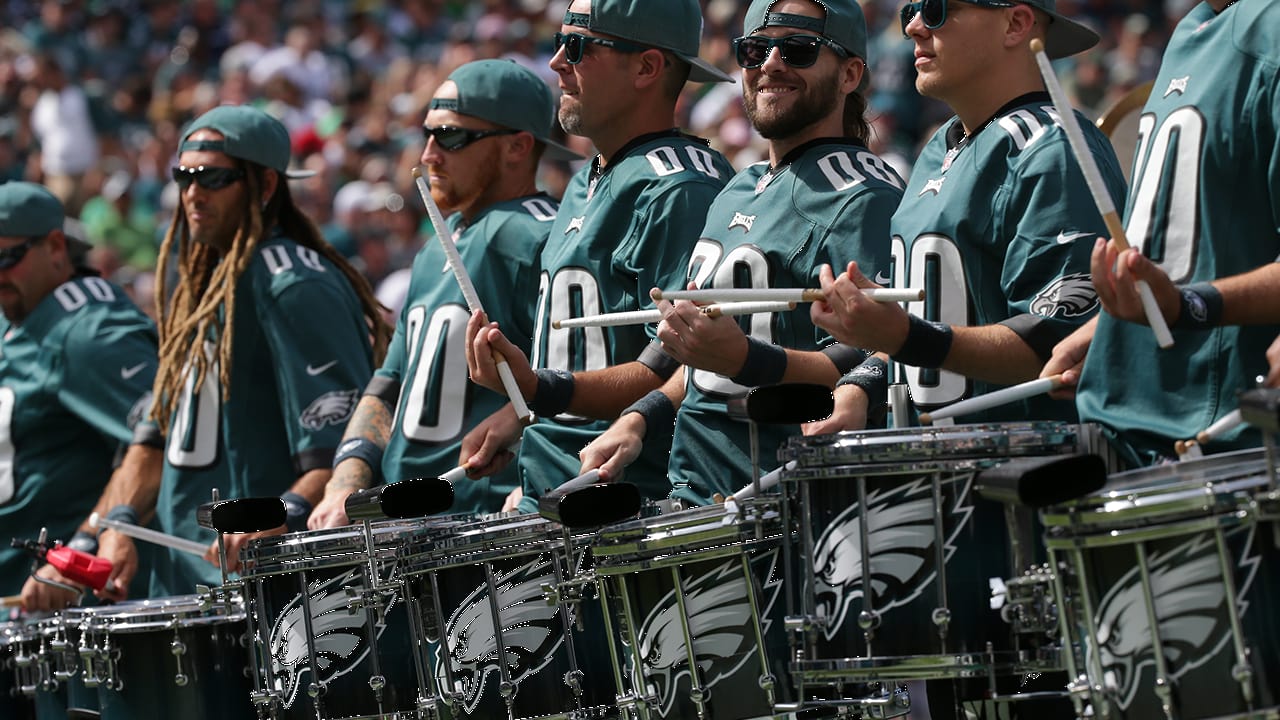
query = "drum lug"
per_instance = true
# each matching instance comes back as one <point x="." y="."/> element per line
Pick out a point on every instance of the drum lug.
<point x="178" y="650"/>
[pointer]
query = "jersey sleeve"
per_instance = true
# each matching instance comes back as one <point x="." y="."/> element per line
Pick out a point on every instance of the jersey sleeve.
<point x="860" y="233"/>
<point x="322" y="362"/>
<point x="110" y="363"/>
<point x="393" y="364"/>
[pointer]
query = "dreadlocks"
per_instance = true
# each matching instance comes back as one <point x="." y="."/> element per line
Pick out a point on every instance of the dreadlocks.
<point x="204" y="302"/>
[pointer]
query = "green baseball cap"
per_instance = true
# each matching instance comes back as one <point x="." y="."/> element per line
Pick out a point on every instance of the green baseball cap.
<point x="1065" y="37"/>
<point x="844" y="24"/>
<point x="247" y="134"/>
<point x="29" y="210"/>
<point x="508" y="94"/>
<point x="674" y="25"/>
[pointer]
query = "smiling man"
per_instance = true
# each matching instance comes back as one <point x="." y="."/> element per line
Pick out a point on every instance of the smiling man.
<point x="265" y="343"/>
<point x="997" y="222"/>
<point x="487" y="127"/>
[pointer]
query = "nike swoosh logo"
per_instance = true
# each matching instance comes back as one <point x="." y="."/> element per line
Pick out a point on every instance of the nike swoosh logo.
<point x="1064" y="238"/>
<point x="317" y="370"/>
<point x="129" y="372"/>
<point x="882" y="279"/>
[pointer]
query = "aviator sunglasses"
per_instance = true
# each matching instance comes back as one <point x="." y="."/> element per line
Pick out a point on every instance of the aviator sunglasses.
<point x="209" y="178"/>
<point x="575" y="43"/>
<point x="799" y="51"/>
<point x="934" y="12"/>
<point x="11" y="256"/>
<point x="455" y="138"/>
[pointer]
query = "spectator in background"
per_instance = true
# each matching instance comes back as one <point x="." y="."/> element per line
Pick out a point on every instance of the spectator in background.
<point x="60" y="121"/>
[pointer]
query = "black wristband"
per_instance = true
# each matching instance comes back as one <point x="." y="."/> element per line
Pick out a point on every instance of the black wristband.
<point x="873" y="377"/>
<point x="927" y="344"/>
<point x="656" y="409"/>
<point x="555" y="392"/>
<point x="123" y="513"/>
<point x="148" y="433"/>
<point x="84" y="542"/>
<point x="1201" y="307"/>
<point x="844" y="357"/>
<point x="296" y="511"/>
<point x="657" y="360"/>
<point x="766" y="364"/>
<point x="361" y="449"/>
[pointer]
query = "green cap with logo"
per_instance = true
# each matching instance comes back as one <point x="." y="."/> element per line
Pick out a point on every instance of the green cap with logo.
<point x="674" y="25"/>
<point x="29" y="210"/>
<point x="508" y="94"/>
<point x="1065" y="37"/>
<point x="844" y="23"/>
<point x="247" y="134"/>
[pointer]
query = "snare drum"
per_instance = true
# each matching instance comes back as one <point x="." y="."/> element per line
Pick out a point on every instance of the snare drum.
<point x="328" y="642"/>
<point x="1169" y="582"/>
<point x="696" y="597"/>
<point x="178" y="657"/>
<point x="61" y="689"/>
<point x="902" y="557"/>
<point x="498" y="642"/>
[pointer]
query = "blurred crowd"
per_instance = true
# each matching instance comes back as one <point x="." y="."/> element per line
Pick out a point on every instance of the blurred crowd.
<point x="94" y="93"/>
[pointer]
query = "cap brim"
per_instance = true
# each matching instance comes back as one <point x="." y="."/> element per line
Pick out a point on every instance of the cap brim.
<point x="701" y="71"/>
<point x="1067" y="37"/>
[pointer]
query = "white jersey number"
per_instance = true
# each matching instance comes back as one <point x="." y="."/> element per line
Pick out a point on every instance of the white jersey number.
<point x="435" y="407"/>
<point x="1168" y="157"/>
<point x="7" y="484"/>
<point x="934" y="264"/>
<point x="743" y="266"/>
<point x="194" y="440"/>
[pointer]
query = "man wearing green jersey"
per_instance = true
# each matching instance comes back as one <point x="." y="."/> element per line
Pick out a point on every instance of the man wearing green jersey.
<point x="1204" y="220"/>
<point x="821" y="198"/>
<point x="487" y="127"/>
<point x="628" y="222"/>
<point x="77" y="358"/>
<point x="996" y="223"/>
<point x="265" y="343"/>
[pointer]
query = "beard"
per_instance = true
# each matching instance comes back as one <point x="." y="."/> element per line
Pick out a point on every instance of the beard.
<point x="814" y="103"/>
<point x="467" y="192"/>
<point x="570" y="118"/>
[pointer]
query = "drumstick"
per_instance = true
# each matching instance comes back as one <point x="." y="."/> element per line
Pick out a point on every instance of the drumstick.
<point x="1000" y="397"/>
<point x="1093" y="179"/>
<point x="460" y="472"/>
<point x="149" y="535"/>
<point x="469" y="292"/>
<point x="11" y="601"/>
<point x="645" y="317"/>
<point x="797" y="295"/>
<point x="1225" y="424"/>
<point x="767" y="481"/>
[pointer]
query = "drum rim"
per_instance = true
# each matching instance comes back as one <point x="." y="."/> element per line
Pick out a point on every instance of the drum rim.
<point x="881" y="447"/>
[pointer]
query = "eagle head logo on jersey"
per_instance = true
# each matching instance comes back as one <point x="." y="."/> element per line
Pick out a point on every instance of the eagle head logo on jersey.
<point x="340" y="636"/>
<point x="1070" y="296"/>
<point x="720" y="620"/>
<point x="531" y="632"/>
<point x="331" y="408"/>
<point x="901" y="537"/>
<point x="1191" y="605"/>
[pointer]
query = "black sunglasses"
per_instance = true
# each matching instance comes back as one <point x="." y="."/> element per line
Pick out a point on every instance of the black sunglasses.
<point x="575" y="43"/>
<point x="455" y="138"/>
<point x="934" y="12"/>
<point x="209" y="178"/>
<point x="799" y="51"/>
<point x="11" y="256"/>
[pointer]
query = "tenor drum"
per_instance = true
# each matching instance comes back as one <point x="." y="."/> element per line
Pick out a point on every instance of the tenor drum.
<point x="904" y="567"/>
<point x="16" y="666"/>
<point x="179" y="657"/>
<point x="331" y="635"/>
<point x="1168" y="582"/>
<point x="496" y="643"/>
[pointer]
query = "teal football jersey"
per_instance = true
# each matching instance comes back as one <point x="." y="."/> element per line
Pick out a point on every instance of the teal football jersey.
<point x="438" y="404"/>
<point x="828" y="202"/>
<point x="617" y="235"/>
<point x="1205" y="204"/>
<point x="300" y="360"/>
<point x="1001" y="227"/>
<point x="75" y="377"/>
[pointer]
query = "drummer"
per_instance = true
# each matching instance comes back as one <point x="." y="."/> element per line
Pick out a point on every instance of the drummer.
<point x="997" y="222"/>
<point x="1214" y="218"/>
<point x="821" y="198"/>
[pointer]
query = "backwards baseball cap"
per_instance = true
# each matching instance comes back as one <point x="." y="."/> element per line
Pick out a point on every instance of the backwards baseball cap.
<point x="674" y="25"/>
<point x="28" y="210"/>
<point x="508" y="94"/>
<point x="247" y="134"/>
<point x="844" y="23"/>
<point x="1064" y="37"/>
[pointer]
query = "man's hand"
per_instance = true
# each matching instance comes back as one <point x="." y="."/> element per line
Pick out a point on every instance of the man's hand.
<point x="615" y="448"/>
<point x="855" y="319"/>
<point x="483" y="338"/>
<point x="850" y="412"/>
<point x="699" y="341"/>
<point x="1067" y="360"/>
<point x="234" y="543"/>
<point x="1273" y="358"/>
<point x="39" y="597"/>
<point x="512" y="503"/>
<point x="1115" y="278"/>
<point x="486" y="449"/>
<point x="120" y="550"/>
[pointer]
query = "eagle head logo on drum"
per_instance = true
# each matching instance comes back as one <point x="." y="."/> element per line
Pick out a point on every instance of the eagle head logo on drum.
<point x="1187" y="590"/>
<point x="340" y="640"/>
<point x="720" y="620"/>
<point x="901" y="536"/>
<point x="531" y="632"/>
